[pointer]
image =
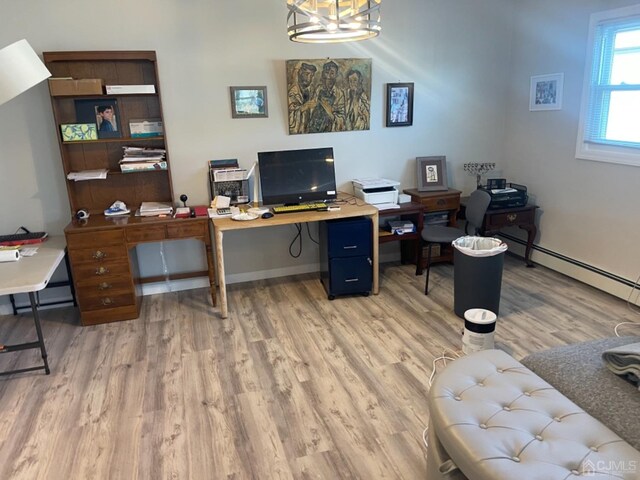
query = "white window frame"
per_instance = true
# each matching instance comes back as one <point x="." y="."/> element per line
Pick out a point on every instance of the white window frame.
<point x="595" y="151"/>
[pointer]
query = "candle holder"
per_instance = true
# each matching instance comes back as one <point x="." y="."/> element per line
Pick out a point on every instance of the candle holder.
<point x="478" y="169"/>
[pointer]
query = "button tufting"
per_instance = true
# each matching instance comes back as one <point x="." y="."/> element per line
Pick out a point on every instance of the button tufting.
<point x="594" y="449"/>
<point x="516" y="459"/>
<point x="480" y="384"/>
<point x="457" y="398"/>
<point x="556" y="419"/>
<point x="506" y="409"/>
<point x="575" y="472"/>
<point x="527" y="394"/>
<point x="499" y="370"/>
<point x="483" y="426"/>
<point x="539" y="437"/>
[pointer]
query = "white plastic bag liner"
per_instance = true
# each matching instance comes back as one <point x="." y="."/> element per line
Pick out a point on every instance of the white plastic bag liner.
<point x="479" y="246"/>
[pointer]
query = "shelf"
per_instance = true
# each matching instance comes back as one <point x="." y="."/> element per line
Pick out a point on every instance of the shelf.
<point x="117" y="140"/>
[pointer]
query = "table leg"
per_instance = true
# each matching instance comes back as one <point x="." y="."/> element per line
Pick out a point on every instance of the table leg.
<point x="224" y="308"/>
<point x="212" y="273"/>
<point x="531" y="234"/>
<point x="376" y="269"/>
<point x="36" y="319"/>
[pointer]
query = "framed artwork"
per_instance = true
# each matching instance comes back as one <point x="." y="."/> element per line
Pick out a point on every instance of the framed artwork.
<point x="249" y="102"/>
<point x="545" y="92"/>
<point x="328" y="95"/>
<point x="399" y="104"/>
<point x="432" y="173"/>
<point x="104" y="113"/>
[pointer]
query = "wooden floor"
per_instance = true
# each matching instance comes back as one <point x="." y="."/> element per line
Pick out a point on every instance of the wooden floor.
<point x="291" y="385"/>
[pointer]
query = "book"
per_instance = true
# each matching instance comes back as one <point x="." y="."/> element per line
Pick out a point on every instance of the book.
<point x="150" y="209"/>
<point x="124" y="89"/>
<point x="142" y="166"/>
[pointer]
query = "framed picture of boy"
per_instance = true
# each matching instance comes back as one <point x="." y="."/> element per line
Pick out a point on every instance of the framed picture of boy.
<point x="104" y="113"/>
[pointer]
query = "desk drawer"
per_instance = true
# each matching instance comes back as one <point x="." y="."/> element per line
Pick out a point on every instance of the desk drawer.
<point x="95" y="299"/>
<point x="102" y="254"/>
<point x="146" y="233"/>
<point x="96" y="238"/>
<point x="187" y="230"/>
<point x="87" y="271"/>
<point x="442" y="203"/>
<point x="507" y="219"/>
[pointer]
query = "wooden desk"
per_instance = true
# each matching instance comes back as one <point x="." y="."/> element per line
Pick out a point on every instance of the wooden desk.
<point x="221" y="225"/>
<point x="29" y="275"/>
<point x="522" y="217"/>
<point x="105" y="265"/>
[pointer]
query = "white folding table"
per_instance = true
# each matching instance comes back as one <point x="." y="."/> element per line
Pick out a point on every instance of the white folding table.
<point x="30" y="275"/>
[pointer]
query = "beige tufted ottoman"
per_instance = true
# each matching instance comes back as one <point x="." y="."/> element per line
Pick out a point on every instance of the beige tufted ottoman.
<point x="491" y="418"/>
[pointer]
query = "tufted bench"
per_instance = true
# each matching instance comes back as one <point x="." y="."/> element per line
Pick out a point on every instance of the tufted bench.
<point x="492" y="418"/>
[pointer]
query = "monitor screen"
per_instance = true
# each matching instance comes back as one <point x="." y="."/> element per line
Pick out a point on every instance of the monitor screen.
<point x="297" y="176"/>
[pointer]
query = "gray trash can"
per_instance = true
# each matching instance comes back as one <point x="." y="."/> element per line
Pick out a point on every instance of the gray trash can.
<point x="477" y="273"/>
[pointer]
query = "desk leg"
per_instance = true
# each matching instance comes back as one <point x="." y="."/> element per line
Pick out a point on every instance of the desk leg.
<point x="212" y="274"/>
<point x="376" y="269"/>
<point x="224" y="309"/>
<point x="531" y="234"/>
<point x="36" y="319"/>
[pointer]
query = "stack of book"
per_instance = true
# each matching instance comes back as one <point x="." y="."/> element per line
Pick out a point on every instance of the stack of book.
<point x="140" y="159"/>
<point x="154" y="209"/>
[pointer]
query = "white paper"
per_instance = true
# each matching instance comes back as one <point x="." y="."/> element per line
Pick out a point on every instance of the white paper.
<point x="385" y="206"/>
<point x="28" y="251"/>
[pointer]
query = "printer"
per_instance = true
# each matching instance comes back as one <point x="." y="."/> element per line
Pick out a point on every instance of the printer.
<point x="505" y="195"/>
<point x="376" y="190"/>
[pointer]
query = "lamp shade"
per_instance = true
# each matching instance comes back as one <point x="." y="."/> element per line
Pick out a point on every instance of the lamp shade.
<point x="20" y="69"/>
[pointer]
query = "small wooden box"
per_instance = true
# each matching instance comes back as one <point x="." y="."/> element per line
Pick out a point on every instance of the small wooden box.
<point x="61" y="87"/>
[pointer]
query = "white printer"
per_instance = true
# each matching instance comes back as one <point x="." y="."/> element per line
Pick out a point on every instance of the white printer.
<point x="376" y="190"/>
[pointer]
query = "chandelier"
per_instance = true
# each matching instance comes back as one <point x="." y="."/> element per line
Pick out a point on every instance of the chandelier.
<point x="331" y="21"/>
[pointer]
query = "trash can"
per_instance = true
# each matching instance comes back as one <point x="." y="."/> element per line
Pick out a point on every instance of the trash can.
<point x="479" y="330"/>
<point x="477" y="273"/>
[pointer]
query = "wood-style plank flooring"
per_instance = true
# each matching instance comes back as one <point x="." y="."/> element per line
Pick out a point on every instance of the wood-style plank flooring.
<point x="290" y="386"/>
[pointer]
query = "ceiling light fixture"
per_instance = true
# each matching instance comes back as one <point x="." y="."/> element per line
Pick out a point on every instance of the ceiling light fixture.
<point x="331" y="21"/>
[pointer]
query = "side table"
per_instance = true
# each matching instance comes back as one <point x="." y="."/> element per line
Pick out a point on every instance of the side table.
<point x="409" y="242"/>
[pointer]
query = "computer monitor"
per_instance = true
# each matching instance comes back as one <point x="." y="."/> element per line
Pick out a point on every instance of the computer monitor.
<point x="297" y="176"/>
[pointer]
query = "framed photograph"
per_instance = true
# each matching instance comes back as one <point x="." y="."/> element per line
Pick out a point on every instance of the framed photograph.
<point x="432" y="173"/>
<point x="78" y="132"/>
<point x="545" y="92"/>
<point x="104" y="113"/>
<point x="399" y="104"/>
<point x="249" y="102"/>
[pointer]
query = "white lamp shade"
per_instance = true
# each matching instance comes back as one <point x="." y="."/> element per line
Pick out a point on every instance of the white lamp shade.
<point x="20" y="69"/>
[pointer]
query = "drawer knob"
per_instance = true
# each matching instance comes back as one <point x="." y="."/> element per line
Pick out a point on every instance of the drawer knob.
<point x="99" y="255"/>
<point x="351" y="280"/>
<point x="512" y="217"/>
<point x="102" y="271"/>
<point x="107" y="301"/>
<point x="104" y="286"/>
<point x="350" y="247"/>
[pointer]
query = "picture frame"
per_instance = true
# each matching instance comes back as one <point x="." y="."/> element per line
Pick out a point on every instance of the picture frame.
<point x="432" y="173"/>
<point x="104" y="113"/>
<point x="545" y="92"/>
<point x="249" y="102"/>
<point x="78" y="132"/>
<point x="399" y="104"/>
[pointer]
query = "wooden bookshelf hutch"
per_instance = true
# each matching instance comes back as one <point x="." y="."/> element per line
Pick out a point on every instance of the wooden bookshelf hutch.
<point x="103" y="261"/>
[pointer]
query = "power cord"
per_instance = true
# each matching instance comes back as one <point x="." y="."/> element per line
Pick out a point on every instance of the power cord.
<point x="631" y="304"/>
<point x="298" y="237"/>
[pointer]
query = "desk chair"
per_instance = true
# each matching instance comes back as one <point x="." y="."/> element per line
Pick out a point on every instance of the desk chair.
<point x="476" y="208"/>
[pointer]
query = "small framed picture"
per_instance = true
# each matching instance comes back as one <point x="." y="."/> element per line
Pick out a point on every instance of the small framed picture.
<point x="545" y="92"/>
<point x="399" y="104"/>
<point x="249" y="102"/>
<point x="78" y="132"/>
<point x="432" y="173"/>
<point x="104" y="113"/>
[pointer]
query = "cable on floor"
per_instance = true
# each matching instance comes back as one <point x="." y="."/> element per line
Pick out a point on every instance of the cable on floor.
<point x="297" y="237"/>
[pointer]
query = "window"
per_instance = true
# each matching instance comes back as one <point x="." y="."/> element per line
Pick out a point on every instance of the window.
<point x="609" y="119"/>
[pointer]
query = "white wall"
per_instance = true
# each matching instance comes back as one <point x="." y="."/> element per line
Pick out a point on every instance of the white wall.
<point x="457" y="53"/>
<point x="588" y="210"/>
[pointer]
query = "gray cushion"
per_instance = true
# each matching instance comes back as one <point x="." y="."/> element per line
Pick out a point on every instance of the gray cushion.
<point x="580" y="374"/>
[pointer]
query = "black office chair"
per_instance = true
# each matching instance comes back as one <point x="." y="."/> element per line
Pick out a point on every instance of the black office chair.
<point x="476" y="208"/>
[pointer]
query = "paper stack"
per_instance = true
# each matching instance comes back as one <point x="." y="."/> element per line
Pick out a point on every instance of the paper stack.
<point x="88" y="175"/>
<point x="153" y="209"/>
<point x="399" y="227"/>
<point x="140" y="159"/>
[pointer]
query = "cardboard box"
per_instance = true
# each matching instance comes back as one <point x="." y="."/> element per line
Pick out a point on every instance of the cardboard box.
<point x="60" y="87"/>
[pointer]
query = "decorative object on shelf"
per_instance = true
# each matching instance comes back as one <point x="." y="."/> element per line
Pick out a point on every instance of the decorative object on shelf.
<point x="332" y="21"/>
<point x="399" y="104"/>
<point x="20" y="69"/>
<point x="77" y="132"/>
<point x="249" y="102"/>
<point x="103" y="113"/>
<point x="329" y="95"/>
<point x="478" y="169"/>
<point x="432" y="173"/>
<point x="545" y="92"/>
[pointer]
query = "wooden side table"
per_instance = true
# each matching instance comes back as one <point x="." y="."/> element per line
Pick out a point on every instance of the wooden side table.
<point x="409" y="242"/>
<point x="438" y="201"/>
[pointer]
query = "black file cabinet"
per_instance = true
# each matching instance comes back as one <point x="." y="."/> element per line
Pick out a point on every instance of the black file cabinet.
<point x="345" y="256"/>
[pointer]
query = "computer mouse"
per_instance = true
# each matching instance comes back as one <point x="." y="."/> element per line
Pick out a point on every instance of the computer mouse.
<point x="267" y="215"/>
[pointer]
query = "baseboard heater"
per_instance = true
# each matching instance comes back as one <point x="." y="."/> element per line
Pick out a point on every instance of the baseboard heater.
<point x="573" y="261"/>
